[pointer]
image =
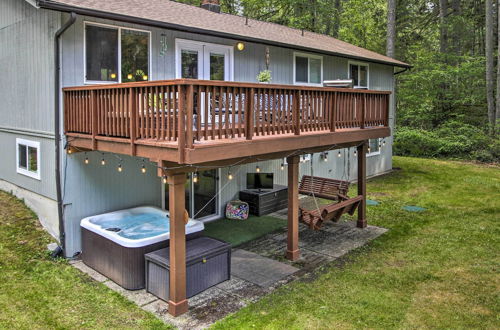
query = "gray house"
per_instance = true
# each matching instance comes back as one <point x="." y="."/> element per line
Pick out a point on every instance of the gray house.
<point x="48" y="45"/>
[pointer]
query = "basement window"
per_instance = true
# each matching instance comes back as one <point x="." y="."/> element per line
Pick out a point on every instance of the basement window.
<point x="373" y="147"/>
<point x="115" y="54"/>
<point x="28" y="158"/>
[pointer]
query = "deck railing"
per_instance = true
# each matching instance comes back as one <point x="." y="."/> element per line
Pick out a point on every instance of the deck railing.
<point x="190" y="111"/>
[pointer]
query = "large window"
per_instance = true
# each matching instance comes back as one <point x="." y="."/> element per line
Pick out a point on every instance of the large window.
<point x="28" y="158"/>
<point x="308" y="69"/>
<point x="114" y="54"/>
<point x="358" y="72"/>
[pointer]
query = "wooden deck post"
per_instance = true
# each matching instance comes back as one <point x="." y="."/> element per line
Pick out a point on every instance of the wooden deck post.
<point x="292" y="250"/>
<point x="362" y="149"/>
<point x="177" y="303"/>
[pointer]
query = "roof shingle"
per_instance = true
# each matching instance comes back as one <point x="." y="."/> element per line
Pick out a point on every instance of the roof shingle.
<point x="204" y="21"/>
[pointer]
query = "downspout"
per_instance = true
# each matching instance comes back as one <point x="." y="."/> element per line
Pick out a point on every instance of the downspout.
<point x="57" y="131"/>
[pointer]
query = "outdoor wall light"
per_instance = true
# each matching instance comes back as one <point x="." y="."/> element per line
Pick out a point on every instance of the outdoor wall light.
<point x="240" y="46"/>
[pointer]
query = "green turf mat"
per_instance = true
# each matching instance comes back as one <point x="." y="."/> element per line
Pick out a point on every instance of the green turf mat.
<point x="238" y="232"/>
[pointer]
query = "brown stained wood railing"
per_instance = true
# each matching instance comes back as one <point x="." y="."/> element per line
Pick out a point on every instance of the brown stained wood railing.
<point x="191" y="111"/>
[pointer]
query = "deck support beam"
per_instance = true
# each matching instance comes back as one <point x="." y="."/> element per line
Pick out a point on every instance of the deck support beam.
<point x="177" y="303"/>
<point x="292" y="251"/>
<point x="362" y="150"/>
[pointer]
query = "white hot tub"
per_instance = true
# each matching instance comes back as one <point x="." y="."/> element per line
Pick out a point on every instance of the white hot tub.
<point x="114" y="243"/>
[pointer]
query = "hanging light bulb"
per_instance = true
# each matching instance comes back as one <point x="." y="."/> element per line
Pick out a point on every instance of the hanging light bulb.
<point x="355" y="153"/>
<point x="339" y="154"/>
<point x="120" y="168"/>
<point x="282" y="166"/>
<point x="143" y="169"/>
<point x="325" y="156"/>
<point x="103" y="162"/>
<point x="230" y="176"/>
<point x="195" y="177"/>
<point x="257" y="169"/>
<point x="164" y="179"/>
<point x="86" y="161"/>
<point x="70" y="151"/>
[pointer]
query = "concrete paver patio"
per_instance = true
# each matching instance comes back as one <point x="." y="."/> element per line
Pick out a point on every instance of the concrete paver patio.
<point x="257" y="268"/>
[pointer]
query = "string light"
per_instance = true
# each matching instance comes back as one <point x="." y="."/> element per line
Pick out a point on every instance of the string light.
<point x="129" y="76"/>
<point x="103" y="162"/>
<point x="86" y="161"/>
<point x="120" y="168"/>
<point x="325" y="156"/>
<point x="383" y="142"/>
<point x="355" y="153"/>
<point x="195" y="177"/>
<point x="164" y="179"/>
<point x="70" y="151"/>
<point x="230" y="176"/>
<point x="257" y="169"/>
<point x="369" y="149"/>
<point x="339" y="154"/>
<point x="143" y="167"/>
<point x="282" y="166"/>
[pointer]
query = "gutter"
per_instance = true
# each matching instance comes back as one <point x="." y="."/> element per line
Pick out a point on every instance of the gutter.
<point x="47" y="4"/>
<point x="57" y="130"/>
<point x="404" y="70"/>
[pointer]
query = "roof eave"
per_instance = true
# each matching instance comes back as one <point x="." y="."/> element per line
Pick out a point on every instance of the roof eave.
<point x="47" y="4"/>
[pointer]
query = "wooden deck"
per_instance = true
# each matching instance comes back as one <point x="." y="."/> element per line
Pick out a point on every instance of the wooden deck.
<point x="193" y="121"/>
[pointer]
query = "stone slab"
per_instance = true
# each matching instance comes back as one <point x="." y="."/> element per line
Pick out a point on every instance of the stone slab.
<point x="257" y="269"/>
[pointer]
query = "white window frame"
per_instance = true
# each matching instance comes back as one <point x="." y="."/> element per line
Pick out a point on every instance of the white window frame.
<point x="27" y="172"/>
<point x="119" y="28"/>
<point x="203" y="61"/>
<point x="309" y="56"/>
<point x="349" y="63"/>
<point x="375" y="153"/>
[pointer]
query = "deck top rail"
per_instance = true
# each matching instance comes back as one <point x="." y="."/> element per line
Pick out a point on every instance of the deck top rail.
<point x="189" y="111"/>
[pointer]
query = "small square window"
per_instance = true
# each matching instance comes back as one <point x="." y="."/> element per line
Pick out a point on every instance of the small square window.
<point x="373" y="147"/>
<point x="28" y="157"/>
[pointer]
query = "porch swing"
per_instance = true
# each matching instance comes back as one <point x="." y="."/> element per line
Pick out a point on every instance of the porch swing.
<point x="330" y="189"/>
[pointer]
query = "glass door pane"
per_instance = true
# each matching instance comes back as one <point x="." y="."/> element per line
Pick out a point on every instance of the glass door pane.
<point x="217" y="66"/>
<point x="204" y="192"/>
<point x="189" y="64"/>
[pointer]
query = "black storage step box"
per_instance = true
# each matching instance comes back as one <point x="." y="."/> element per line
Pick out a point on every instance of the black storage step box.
<point x="208" y="263"/>
<point x="266" y="201"/>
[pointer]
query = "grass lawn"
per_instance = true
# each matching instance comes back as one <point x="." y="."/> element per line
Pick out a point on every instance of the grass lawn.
<point x="238" y="232"/>
<point x="39" y="293"/>
<point x="435" y="269"/>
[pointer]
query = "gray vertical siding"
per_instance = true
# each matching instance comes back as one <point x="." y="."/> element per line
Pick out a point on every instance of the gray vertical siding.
<point x="26" y="80"/>
<point x="92" y="189"/>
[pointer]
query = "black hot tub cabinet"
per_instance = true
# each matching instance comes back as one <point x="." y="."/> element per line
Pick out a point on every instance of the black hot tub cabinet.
<point x="208" y="263"/>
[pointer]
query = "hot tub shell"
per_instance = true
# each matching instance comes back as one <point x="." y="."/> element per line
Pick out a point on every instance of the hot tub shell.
<point x="122" y="259"/>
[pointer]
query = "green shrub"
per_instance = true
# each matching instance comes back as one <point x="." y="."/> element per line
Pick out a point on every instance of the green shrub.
<point x="451" y="140"/>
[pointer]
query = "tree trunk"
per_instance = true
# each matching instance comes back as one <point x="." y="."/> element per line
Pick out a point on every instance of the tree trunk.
<point x="489" y="42"/>
<point x="336" y="19"/>
<point x="443" y="26"/>
<point x="497" y="116"/>
<point x="391" y="28"/>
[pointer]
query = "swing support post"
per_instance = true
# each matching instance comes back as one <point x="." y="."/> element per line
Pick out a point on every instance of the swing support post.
<point x="292" y="250"/>
<point x="362" y="150"/>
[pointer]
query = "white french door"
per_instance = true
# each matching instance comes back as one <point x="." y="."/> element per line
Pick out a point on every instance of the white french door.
<point x="201" y="60"/>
